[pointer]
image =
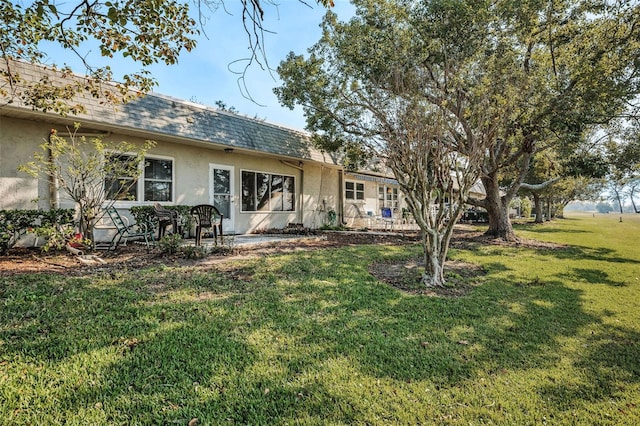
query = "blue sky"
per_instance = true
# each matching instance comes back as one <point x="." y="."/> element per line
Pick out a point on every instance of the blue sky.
<point x="205" y="75"/>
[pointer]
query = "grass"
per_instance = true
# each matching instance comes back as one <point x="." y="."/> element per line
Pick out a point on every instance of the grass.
<point x="551" y="336"/>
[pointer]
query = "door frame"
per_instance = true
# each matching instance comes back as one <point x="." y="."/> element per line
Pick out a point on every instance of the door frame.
<point x="228" y="224"/>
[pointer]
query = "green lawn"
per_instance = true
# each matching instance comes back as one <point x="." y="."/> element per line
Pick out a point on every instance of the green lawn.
<point x="550" y="336"/>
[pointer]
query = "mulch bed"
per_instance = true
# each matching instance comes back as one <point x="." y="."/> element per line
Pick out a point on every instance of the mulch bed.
<point x="403" y="275"/>
<point x="133" y="256"/>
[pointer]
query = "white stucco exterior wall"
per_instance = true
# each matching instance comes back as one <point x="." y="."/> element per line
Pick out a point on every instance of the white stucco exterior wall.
<point x="317" y="187"/>
<point x="19" y="139"/>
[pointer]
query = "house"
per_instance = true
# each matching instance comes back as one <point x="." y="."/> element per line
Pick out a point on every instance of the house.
<point x="258" y="174"/>
<point x="366" y="194"/>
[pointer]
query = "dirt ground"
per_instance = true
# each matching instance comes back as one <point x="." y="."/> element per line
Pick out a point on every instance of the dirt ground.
<point x="404" y="275"/>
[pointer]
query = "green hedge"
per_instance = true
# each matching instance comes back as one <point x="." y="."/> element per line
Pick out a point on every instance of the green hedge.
<point x="16" y="223"/>
<point x="147" y="214"/>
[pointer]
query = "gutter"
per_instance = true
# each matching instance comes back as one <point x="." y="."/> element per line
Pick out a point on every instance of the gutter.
<point x="54" y="202"/>
<point x="341" y="197"/>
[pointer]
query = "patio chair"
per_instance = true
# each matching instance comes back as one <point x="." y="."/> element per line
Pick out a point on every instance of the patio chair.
<point x="387" y="217"/>
<point x="207" y="216"/>
<point x="166" y="218"/>
<point x="125" y="231"/>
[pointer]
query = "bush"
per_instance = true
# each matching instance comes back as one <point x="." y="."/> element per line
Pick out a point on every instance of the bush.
<point x="16" y="223"/>
<point x="170" y="244"/>
<point x="144" y="214"/>
<point x="193" y="252"/>
<point x="147" y="214"/>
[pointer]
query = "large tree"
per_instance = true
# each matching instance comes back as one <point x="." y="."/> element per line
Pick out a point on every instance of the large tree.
<point x="623" y="153"/>
<point x="554" y="180"/>
<point x="541" y="73"/>
<point x="573" y="65"/>
<point x="365" y="91"/>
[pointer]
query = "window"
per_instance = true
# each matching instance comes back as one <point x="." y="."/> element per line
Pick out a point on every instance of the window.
<point x="388" y="197"/>
<point x="154" y="184"/>
<point x="264" y="192"/>
<point x="120" y="187"/>
<point x="354" y="191"/>
<point x="158" y="179"/>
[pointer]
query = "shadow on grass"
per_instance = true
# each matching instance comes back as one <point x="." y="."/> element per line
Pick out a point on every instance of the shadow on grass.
<point x="165" y="377"/>
<point x="540" y="228"/>
<point x="610" y="363"/>
<point x="587" y="253"/>
<point x="389" y="335"/>
<point x="53" y="318"/>
<point x="273" y="340"/>
<point x="591" y="276"/>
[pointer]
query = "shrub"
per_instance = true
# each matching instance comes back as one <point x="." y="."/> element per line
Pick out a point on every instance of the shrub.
<point x="170" y="244"/>
<point x="144" y="214"/>
<point x="147" y="214"/>
<point x="193" y="252"/>
<point x="16" y="223"/>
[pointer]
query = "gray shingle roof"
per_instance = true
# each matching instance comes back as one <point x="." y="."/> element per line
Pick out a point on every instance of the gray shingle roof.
<point x="162" y="115"/>
<point x="173" y="117"/>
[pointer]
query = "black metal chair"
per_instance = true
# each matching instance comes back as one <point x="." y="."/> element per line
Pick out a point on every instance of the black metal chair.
<point x="125" y="231"/>
<point x="207" y="217"/>
<point x="166" y="218"/>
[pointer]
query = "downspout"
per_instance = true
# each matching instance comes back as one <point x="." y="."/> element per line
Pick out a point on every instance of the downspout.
<point x="301" y="193"/>
<point x="53" y="188"/>
<point x="341" y="197"/>
<point x="301" y="198"/>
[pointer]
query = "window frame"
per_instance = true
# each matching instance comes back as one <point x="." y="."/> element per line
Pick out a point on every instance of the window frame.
<point x="270" y="178"/>
<point x="391" y="200"/>
<point x="356" y="192"/>
<point x="109" y="157"/>
<point x="144" y="179"/>
<point x="141" y="180"/>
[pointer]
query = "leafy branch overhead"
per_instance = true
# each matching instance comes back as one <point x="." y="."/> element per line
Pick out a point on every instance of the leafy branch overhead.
<point x="144" y="31"/>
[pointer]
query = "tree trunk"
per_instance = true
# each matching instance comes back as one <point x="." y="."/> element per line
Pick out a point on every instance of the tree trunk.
<point x="631" y="194"/>
<point x="549" y="212"/>
<point x="433" y="266"/>
<point x="436" y="244"/>
<point x="498" y="210"/>
<point x="537" y="203"/>
<point x="87" y="224"/>
<point x="618" y="199"/>
<point x="560" y="211"/>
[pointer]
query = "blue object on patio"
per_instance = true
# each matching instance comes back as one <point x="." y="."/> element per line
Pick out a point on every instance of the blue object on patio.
<point x="207" y="216"/>
<point x="126" y="231"/>
<point x="387" y="216"/>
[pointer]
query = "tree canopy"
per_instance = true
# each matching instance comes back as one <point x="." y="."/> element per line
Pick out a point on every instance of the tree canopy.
<point x="521" y="77"/>
<point x="448" y="91"/>
<point x="144" y="31"/>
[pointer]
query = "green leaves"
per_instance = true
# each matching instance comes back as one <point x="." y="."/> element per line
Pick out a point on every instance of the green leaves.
<point x="145" y="31"/>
